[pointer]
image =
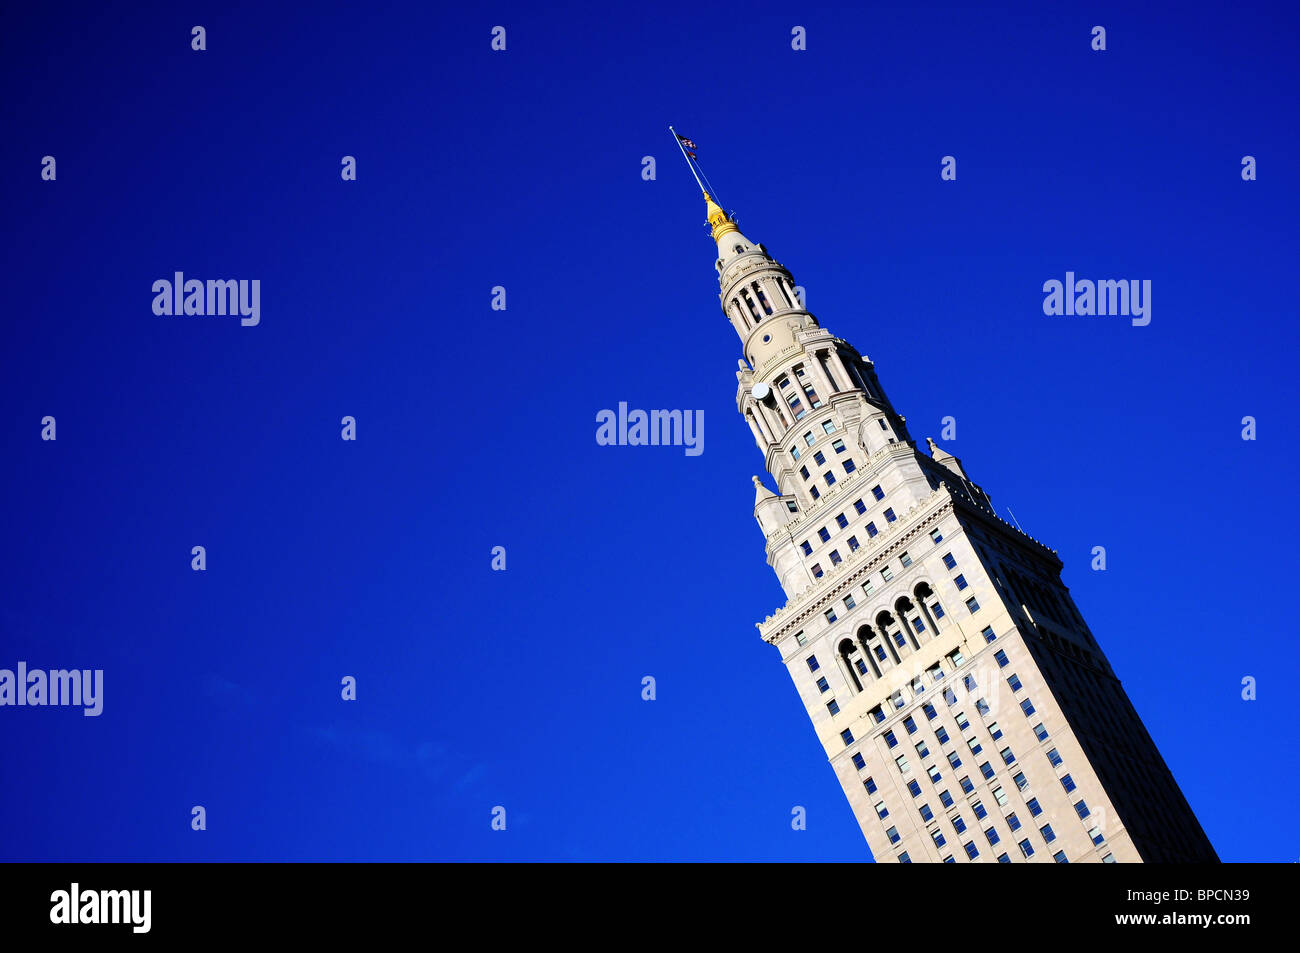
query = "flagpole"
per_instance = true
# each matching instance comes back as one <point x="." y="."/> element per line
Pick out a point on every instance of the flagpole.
<point x="688" y="161"/>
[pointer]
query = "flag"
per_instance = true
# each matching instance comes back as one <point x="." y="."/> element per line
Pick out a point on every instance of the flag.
<point x="689" y="146"/>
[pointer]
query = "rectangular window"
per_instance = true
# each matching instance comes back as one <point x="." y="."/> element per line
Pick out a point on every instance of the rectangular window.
<point x="1026" y="848"/>
<point x="882" y="812"/>
<point x="886" y="574"/>
<point x="973" y="605"/>
<point x="813" y="664"/>
<point x="950" y="697"/>
<point x="877" y="714"/>
<point x="1034" y="807"/>
<point x="897" y="699"/>
<point x="934" y="774"/>
<point x="949" y="561"/>
<point x="980" y="811"/>
<point x="1067" y="782"/>
<point x="899" y="640"/>
<point x="936" y="536"/>
<point x="828" y="426"/>
<point x="905" y="559"/>
<point x="988" y="634"/>
<point x="842" y="521"/>
<point x="1013" y="822"/>
<point x="961" y="582"/>
<point x="903" y="858"/>
<point x="956" y="657"/>
<point x="992" y="834"/>
<point x="930" y="713"/>
<point x="849" y="466"/>
<point x="927" y="815"/>
<point x="859" y="762"/>
<point x="975" y="746"/>
<point x="853" y="544"/>
<point x="836" y="559"/>
<point x="945" y="798"/>
<point x="862" y="667"/>
<point x="1081" y="808"/>
<point x="817" y="570"/>
<point x="837" y="445"/>
<point x="820" y="458"/>
<point x="868" y="588"/>
<point x="849" y="602"/>
<point x="971" y="850"/>
<point x="1040" y="732"/>
<point x="1014" y="682"/>
<point x="939" y="839"/>
<point x="914" y="788"/>
<point x="806" y="547"/>
<point x="966" y="785"/>
<point x="870" y="785"/>
<point x="936" y="610"/>
<point x="830" y="615"/>
<point x="796" y="453"/>
<point x="824" y="534"/>
<point x="995" y="731"/>
<point x="1008" y="756"/>
<point x="823" y="685"/>
<point x="860" y="506"/>
<point x="1021" y="781"/>
<point x="953" y="760"/>
<point x="880" y="652"/>
<point x="871" y="529"/>
<point x="877" y="492"/>
<point x="910" y="724"/>
<point x="890" y="739"/>
<point x="1027" y="707"/>
<point x="809" y="439"/>
<point x="958" y="824"/>
<point x="986" y="769"/>
<point x="1001" y="658"/>
<point x="1049" y="835"/>
<point x="892" y="834"/>
<point x="1003" y="859"/>
<point x="942" y="734"/>
<point x="1108" y="859"/>
<point x="1054" y="756"/>
<point x="889" y="515"/>
<point x="1059" y="857"/>
<point x="962" y="722"/>
<point x="981" y="705"/>
<point x="1097" y="836"/>
<point x="833" y="707"/>
<point x="803" y="472"/>
<point x="800" y="639"/>
<point x="1000" y="795"/>
<point x="847" y="736"/>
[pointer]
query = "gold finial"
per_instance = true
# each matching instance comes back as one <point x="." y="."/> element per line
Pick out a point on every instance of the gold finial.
<point x="718" y="219"/>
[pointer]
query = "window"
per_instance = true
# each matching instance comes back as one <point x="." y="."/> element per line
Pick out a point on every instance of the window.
<point x="901" y="763"/>
<point x="966" y="785"/>
<point x="1026" y="848"/>
<point x="1081" y="808"/>
<point x="842" y="521"/>
<point x="883" y="425"/>
<point x="853" y="544"/>
<point x="824" y="534"/>
<point x="992" y="834"/>
<point x="910" y="724"/>
<point x="860" y="506"/>
<point x="877" y="492"/>
<point x="862" y="667"/>
<point x="1014" y="682"/>
<point x="815" y="493"/>
<point x="877" y="714"/>
<point x="882" y="812"/>
<point x="871" y="529"/>
<point x="935" y="776"/>
<point x="1013" y="822"/>
<point x="935" y="672"/>
<point x="903" y="858"/>
<point x="922" y="750"/>
<point x="971" y="685"/>
<point x="833" y="707"/>
<point x="914" y="788"/>
<point x="899" y="640"/>
<point x="1028" y="708"/>
<point x="988" y="634"/>
<point x="939" y="841"/>
<point x="950" y="697"/>
<point x="974" y="745"/>
<point x="817" y="570"/>
<point x="880" y="652"/>
<point x="927" y="815"/>
<point x="890" y="739"/>
<point x="1021" y="781"/>
<point x="1059" y="857"/>
<point x="1003" y="859"/>
<point x="953" y="760"/>
<point x="813" y="664"/>
<point x="796" y="452"/>
<point x="806" y="547"/>
<point x="961" y="582"/>
<point x="986" y="769"/>
<point x="830" y="613"/>
<point x="828" y="426"/>
<point x="849" y="466"/>
<point x="1034" y="808"/>
<point x="809" y="439"/>
<point x="995" y="731"/>
<point x="849" y="602"/>
<point x="981" y="704"/>
<point x="803" y="472"/>
<point x="905" y="559"/>
<point x="1054" y="756"/>
<point x="949" y="860"/>
<point x="980" y="811"/>
<point x="936" y="536"/>
<point x="1049" y="835"/>
<point x="801" y="639"/>
<point x="1002" y="659"/>
<point x="973" y="605"/>
<point x="1097" y="836"/>
<point x="859" y="762"/>
<point x="820" y="458"/>
<point x="892" y="834"/>
<point x="886" y="574"/>
<point x="957" y="657"/>
<point x="1067" y="782"/>
<point x="889" y="515"/>
<point x="847" y="736"/>
<point x="971" y="850"/>
<point x="937" y="610"/>
<point x="1039" y="731"/>
<point x="1000" y="796"/>
<point x="929" y="710"/>
<point x="868" y="588"/>
<point x="870" y="785"/>
<point x="945" y="798"/>
<point x="958" y="824"/>
<point x="1108" y="859"/>
<point x="823" y="685"/>
<point x="949" y="561"/>
<point x="897" y="699"/>
<point x="1008" y="756"/>
<point x="962" y="721"/>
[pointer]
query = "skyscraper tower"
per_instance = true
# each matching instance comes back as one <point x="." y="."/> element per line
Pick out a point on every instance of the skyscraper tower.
<point x="964" y="705"/>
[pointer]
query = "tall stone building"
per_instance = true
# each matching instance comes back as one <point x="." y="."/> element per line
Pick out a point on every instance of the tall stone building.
<point x="963" y="703"/>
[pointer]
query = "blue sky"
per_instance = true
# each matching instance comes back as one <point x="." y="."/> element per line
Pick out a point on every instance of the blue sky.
<point x="476" y="427"/>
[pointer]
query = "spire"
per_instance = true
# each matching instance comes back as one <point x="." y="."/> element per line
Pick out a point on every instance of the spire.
<point x="761" y="493"/>
<point x="722" y="225"/>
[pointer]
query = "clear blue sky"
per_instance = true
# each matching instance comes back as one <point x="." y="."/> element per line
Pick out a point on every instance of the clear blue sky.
<point x="476" y="427"/>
